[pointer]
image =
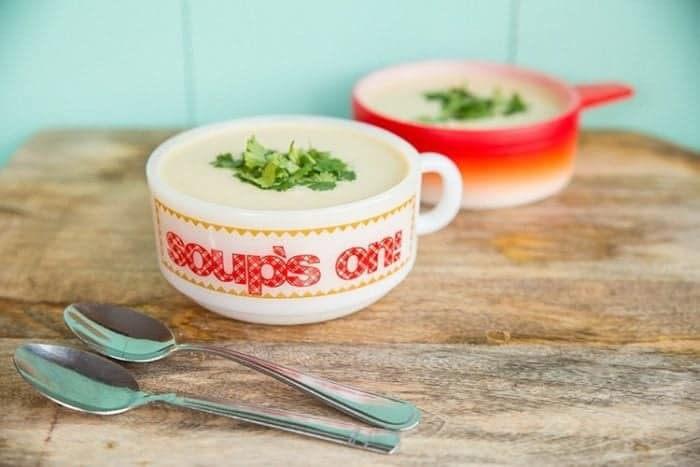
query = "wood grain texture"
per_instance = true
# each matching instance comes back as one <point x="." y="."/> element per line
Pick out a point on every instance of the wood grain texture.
<point x="584" y="310"/>
<point x="518" y="404"/>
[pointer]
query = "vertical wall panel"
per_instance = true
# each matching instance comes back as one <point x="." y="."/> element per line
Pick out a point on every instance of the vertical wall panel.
<point x="652" y="44"/>
<point x="265" y="56"/>
<point x="65" y="63"/>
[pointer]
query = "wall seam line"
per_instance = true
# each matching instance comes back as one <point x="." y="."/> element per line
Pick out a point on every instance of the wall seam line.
<point x="188" y="63"/>
<point x="513" y="31"/>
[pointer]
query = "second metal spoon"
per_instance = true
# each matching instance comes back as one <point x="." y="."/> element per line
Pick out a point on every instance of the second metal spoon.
<point x="128" y="335"/>
<point x="89" y="383"/>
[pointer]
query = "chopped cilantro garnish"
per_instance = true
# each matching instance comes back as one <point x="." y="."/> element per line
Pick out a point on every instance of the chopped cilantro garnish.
<point x="274" y="170"/>
<point x="515" y="104"/>
<point x="461" y="104"/>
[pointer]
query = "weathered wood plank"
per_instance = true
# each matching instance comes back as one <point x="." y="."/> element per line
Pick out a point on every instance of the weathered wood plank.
<point x="612" y="260"/>
<point x="518" y="404"/>
<point x="596" y="293"/>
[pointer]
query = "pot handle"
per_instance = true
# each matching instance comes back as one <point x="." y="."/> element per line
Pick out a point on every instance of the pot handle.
<point x="447" y="208"/>
<point x="592" y="95"/>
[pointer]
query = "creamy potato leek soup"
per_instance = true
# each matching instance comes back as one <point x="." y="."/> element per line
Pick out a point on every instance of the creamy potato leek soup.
<point x="284" y="167"/>
<point x="464" y="101"/>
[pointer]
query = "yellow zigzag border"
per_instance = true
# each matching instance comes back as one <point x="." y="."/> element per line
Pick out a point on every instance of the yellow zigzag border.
<point x="159" y="205"/>
<point x="279" y="233"/>
<point x="319" y="293"/>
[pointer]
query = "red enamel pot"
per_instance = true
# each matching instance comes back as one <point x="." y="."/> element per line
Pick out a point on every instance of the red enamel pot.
<point x="501" y="166"/>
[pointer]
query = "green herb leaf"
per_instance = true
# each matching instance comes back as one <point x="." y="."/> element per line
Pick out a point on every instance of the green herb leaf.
<point x="321" y="186"/>
<point x="322" y="181"/>
<point x="254" y="154"/>
<point x="274" y="170"/>
<point x="461" y="104"/>
<point x="226" y="161"/>
<point x="269" y="175"/>
<point x="515" y="104"/>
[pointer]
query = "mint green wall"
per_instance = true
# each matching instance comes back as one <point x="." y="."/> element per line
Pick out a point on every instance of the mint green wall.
<point x="262" y="56"/>
<point x="70" y="63"/>
<point x="652" y="45"/>
<point x="65" y="63"/>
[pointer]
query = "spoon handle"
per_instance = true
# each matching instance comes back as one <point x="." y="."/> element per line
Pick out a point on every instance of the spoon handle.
<point x="372" y="439"/>
<point x="374" y="409"/>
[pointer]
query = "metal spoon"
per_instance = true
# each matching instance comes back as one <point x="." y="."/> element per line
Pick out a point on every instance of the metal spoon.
<point x="89" y="383"/>
<point x="128" y="335"/>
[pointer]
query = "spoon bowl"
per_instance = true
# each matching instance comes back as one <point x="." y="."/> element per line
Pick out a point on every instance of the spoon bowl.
<point x="120" y="333"/>
<point x="78" y="380"/>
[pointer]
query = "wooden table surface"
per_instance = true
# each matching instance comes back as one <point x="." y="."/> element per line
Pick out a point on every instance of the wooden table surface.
<point x="564" y="332"/>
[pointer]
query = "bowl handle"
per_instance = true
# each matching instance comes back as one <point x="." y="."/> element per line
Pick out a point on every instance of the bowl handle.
<point x="602" y="93"/>
<point x="448" y="206"/>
